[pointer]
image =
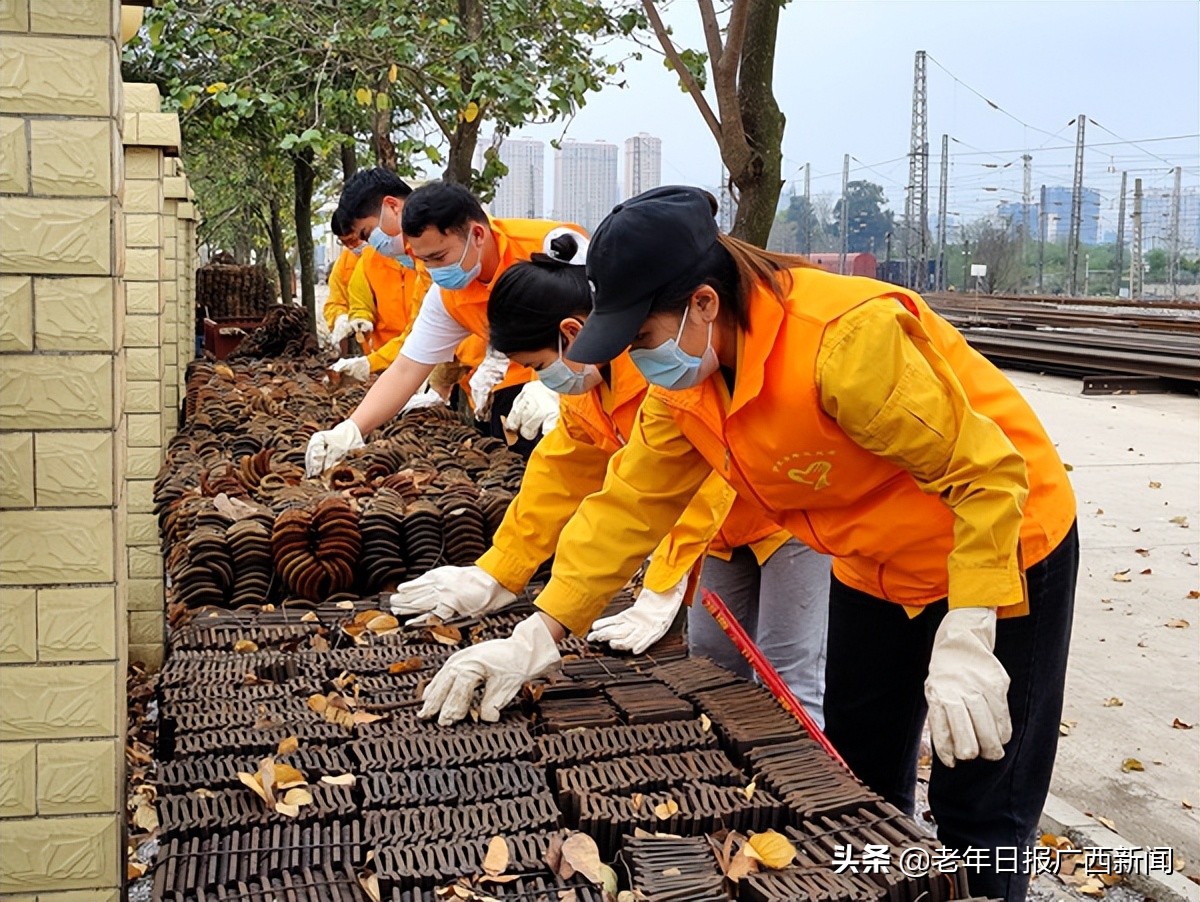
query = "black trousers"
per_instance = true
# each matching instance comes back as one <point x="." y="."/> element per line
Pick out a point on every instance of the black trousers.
<point x="878" y="659"/>
<point x="502" y="402"/>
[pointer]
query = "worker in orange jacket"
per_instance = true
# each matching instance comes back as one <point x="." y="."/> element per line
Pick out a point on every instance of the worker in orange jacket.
<point x="779" y="586"/>
<point x="866" y="426"/>
<point x="337" y="305"/>
<point x="465" y="252"/>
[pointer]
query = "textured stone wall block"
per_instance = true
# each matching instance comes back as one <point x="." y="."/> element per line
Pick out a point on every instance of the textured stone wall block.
<point x="143" y="463"/>
<point x="142" y="331"/>
<point x="45" y="235"/>
<point x="72" y="158"/>
<point x="142" y="162"/>
<point x="76" y="777"/>
<point x="71" y="16"/>
<point x="18" y="626"/>
<point x="146" y="628"/>
<point x="143" y="397"/>
<point x="14" y="155"/>
<point x="74" y="314"/>
<point x="56" y="76"/>
<point x="74" y="469"/>
<point x="141" y="529"/>
<point x="142" y="196"/>
<point x="62" y="853"/>
<point x="16" y="469"/>
<point x="40" y="548"/>
<point x="145" y="430"/>
<point x="63" y="702"/>
<point x="143" y="297"/>
<point x="139" y="496"/>
<point x="145" y="563"/>
<point x="40" y="392"/>
<point x="77" y="624"/>
<point x="18" y="779"/>
<point x="143" y="264"/>
<point x="16" y="313"/>
<point x="143" y="230"/>
<point x="143" y="365"/>
<point x="144" y="595"/>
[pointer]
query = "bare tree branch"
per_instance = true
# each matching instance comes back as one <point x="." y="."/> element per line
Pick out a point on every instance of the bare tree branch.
<point x="734" y="145"/>
<point x="712" y="34"/>
<point x="681" y="69"/>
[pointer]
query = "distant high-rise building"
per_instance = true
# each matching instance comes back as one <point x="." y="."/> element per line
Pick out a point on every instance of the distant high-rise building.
<point x="585" y="181"/>
<point x="643" y="163"/>
<point x="1058" y="213"/>
<point x="519" y="193"/>
<point x="1017" y="214"/>
<point x="1156" y="220"/>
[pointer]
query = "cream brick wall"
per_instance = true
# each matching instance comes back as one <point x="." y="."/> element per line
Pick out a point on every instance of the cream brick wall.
<point x="63" y="549"/>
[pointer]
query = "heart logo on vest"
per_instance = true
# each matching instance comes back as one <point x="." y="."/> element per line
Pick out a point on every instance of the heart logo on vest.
<point x="815" y="474"/>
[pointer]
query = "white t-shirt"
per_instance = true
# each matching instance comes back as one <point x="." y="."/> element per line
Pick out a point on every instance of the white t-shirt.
<point x="435" y="334"/>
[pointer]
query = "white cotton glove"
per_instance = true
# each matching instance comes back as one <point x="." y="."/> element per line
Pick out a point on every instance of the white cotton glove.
<point x="341" y="329"/>
<point x="326" y="448"/>
<point x="638" y="627"/>
<point x="427" y="398"/>
<point x="449" y="592"/>
<point x="361" y="327"/>
<point x="502" y="665"/>
<point x="534" y="411"/>
<point x="353" y="367"/>
<point x="967" y="689"/>
<point x="487" y="376"/>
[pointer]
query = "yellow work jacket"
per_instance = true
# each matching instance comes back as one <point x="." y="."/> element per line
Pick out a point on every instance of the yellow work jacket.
<point x="388" y="295"/>
<point x="338" y="301"/>
<point x="569" y="464"/>
<point x="516" y="240"/>
<point x="862" y="423"/>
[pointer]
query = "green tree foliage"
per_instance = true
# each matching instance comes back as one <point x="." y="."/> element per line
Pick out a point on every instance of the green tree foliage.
<point x="868" y="222"/>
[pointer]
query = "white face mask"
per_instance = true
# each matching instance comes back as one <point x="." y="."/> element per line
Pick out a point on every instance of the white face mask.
<point x="561" y="378"/>
<point x="670" y="367"/>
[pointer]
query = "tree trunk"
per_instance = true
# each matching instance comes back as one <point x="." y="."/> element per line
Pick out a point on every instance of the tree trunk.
<point x="466" y="134"/>
<point x="279" y="252"/>
<point x="349" y="161"/>
<point x="302" y="169"/>
<point x="381" y="139"/>
<point x="760" y="182"/>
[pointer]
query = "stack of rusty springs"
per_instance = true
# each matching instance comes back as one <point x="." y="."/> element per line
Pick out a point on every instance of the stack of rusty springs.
<point x="558" y="715"/>
<point x="807" y="779"/>
<point x="403" y="827"/>
<point x="649" y="702"/>
<point x="687" y="677"/>
<point x="565" y="749"/>
<point x="214" y="772"/>
<point x="222" y="860"/>
<point x="427" y="865"/>
<point x="447" y="785"/>
<point x="644" y="773"/>
<point x="675" y="869"/>
<point x="191" y="814"/>
<point x="879" y="824"/>
<point x="302" y="885"/>
<point x="529" y="888"/>
<point x="693" y="809"/>
<point x="746" y="717"/>
<point x="805" y="879"/>
<point x="481" y="745"/>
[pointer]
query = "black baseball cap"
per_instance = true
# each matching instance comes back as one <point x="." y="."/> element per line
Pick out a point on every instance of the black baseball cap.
<point x="645" y="244"/>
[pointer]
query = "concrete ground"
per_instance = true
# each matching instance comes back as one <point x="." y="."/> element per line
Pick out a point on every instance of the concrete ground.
<point x="1134" y="668"/>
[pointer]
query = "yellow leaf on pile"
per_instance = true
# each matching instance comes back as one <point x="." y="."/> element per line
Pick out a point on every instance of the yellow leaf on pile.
<point x="288" y="810"/>
<point x="339" y="779"/>
<point x="318" y="703"/>
<point x="383" y="623"/>
<point x="770" y="848"/>
<point x="286" y="775"/>
<point x="298" y="797"/>
<point x="495" y="862"/>
<point x="408" y="665"/>
<point x="252" y="781"/>
<point x="665" y="809"/>
<point x="287" y="745"/>
<point x="244" y="646"/>
<point x="1131" y="764"/>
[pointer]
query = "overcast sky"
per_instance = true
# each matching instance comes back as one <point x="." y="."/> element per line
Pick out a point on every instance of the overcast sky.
<point x="843" y="76"/>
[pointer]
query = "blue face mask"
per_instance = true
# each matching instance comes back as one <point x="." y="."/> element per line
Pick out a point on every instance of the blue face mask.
<point x="558" y="377"/>
<point x="452" y="276"/>
<point x="669" y="366"/>
<point x="357" y="250"/>
<point x="389" y="245"/>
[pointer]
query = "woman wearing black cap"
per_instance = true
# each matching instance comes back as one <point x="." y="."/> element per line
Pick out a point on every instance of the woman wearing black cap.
<point x="863" y="423"/>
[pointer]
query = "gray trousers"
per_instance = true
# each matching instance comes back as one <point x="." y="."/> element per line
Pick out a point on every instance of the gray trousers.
<point x="783" y="605"/>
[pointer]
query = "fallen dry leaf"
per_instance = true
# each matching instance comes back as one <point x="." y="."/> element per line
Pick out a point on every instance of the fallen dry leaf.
<point x="1194" y="593"/>
<point x="1130" y="764"/>
<point x="671" y="872"/>
<point x="244" y="646"/>
<point x="287" y="810"/>
<point x="1065" y="727"/>
<point x="360" y="717"/>
<point x="318" y="703"/>
<point x="286" y="775"/>
<point x="1122" y="576"/>
<point x="145" y="816"/>
<point x="665" y="809"/>
<point x="252" y="781"/>
<point x="495" y="862"/>
<point x="408" y="665"/>
<point x="741" y="864"/>
<point x="287" y="745"/>
<point x="1155" y="485"/>
<point x="446" y="635"/>
<point x="1113" y="702"/>
<point x="581" y="852"/>
<point x="608" y="879"/>
<point x="771" y="848"/>
<point x="298" y="796"/>
<point x="1144" y="552"/>
<point x="1180" y="725"/>
<point x="202" y="793"/>
<point x="308" y="617"/>
<point x="339" y="779"/>
<point x="748" y="790"/>
<point x="635" y="801"/>
<point x="345" y="605"/>
<point x="370" y="885"/>
<point x="135" y="869"/>
<point x="383" y="623"/>
<point x="1107" y="822"/>
<point x="553" y="857"/>
<point x="1145" y="572"/>
<point x="1180" y="521"/>
<point x="1186" y="804"/>
<point x="1177" y="624"/>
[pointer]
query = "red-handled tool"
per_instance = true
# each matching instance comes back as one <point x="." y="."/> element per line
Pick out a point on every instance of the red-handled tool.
<point x="769" y="675"/>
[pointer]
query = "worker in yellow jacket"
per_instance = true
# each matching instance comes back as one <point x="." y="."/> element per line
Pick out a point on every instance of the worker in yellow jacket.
<point x="465" y="252"/>
<point x="866" y="426"/>
<point x="336" y="311"/>
<point x="778" y="586"/>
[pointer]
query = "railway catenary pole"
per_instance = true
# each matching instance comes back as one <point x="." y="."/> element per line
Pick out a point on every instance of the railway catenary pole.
<point x="940" y="280"/>
<point x="1135" y="262"/>
<point x="1117" y="265"/>
<point x="845" y="214"/>
<point x="1043" y="223"/>
<point x="1173" y="237"/>
<point x="1076" y="208"/>
<point x="808" y="210"/>
<point x="917" y="207"/>
<point x="1026" y="209"/>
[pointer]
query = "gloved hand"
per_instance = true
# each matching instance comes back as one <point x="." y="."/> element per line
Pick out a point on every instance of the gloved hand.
<point x="341" y="329"/>
<point x="967" y="689"/>
<point x="449" y="592"/>
<point x="361" y="327"/>
<point x="354" y="367"/>
<point x="502" y="665"/>
<point x="638" y="627"/>
<point x="487" y="376"/>
<point x="421" y="400"/>
<point x="534" y="410"/>
<point x="326" y="448"/>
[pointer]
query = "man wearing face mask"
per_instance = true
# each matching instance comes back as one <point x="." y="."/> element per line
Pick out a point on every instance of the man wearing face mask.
<point x="465" y="251"/>
<point x="337" y="306"/>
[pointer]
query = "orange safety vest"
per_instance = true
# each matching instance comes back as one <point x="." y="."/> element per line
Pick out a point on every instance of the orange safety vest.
<point x="516" y="240"/>
<point x="339" y="285"/>
<point x="608" y="416"/>
<point x="398" y="293"/>
<point x="775" y="444"/>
